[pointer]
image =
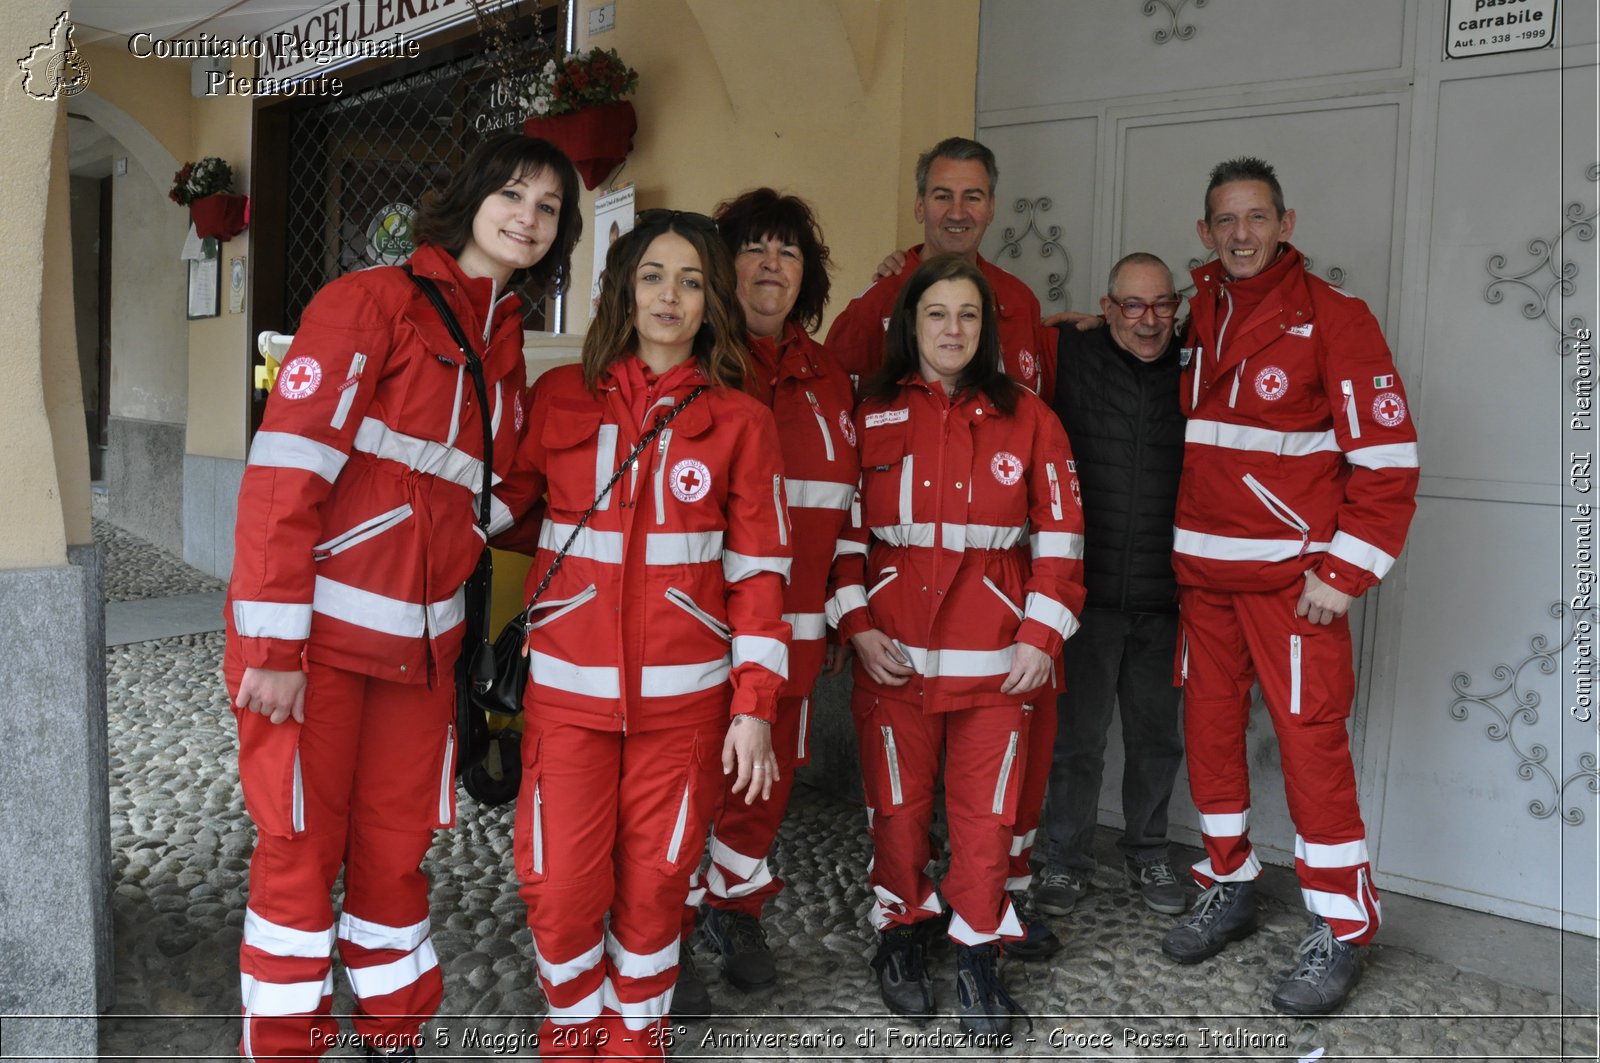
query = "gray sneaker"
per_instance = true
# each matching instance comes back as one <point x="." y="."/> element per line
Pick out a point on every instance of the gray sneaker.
<point x="1329" y="969"/>
<point x="1225" y="912"/>
<point x="1158" y="887"/>
<point x="1058" y="889"/>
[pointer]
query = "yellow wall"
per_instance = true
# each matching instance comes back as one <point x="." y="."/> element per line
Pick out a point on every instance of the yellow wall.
<point x="32" y="527"/>
<point x="63" y="384"/>
<point x="832" y="100"/>
<point x="153" y="92"/>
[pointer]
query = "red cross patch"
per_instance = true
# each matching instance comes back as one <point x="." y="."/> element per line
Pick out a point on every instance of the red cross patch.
<point x="1272" y="383"/>
<point x="1007" y="467"/>
<point x="299" y="378"/>
<point x="848" y="427"/>
<point x="1029" y="364"/>
<point x="1389" y="409"/>
<point x="690" y="479"/>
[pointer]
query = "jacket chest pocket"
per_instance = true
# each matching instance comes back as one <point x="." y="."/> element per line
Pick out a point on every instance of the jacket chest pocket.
<point x="580" y="457"/>
<point x="888" y="474"/>
<point x="427" y="392"/>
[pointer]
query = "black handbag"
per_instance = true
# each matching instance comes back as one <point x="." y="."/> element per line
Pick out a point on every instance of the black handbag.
<point x="504" y="695"/>
<point x="474" y="668"/>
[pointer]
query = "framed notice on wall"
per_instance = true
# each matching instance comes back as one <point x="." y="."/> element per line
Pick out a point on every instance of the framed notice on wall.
<point x="1489" y="27"/>
<point x="205" y="287"/>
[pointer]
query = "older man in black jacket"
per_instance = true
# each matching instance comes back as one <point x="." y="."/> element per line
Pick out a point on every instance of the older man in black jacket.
<point x="1117" y="394"/>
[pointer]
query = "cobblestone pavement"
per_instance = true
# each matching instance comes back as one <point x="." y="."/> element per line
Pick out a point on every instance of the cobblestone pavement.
<point x="182" y="844"/>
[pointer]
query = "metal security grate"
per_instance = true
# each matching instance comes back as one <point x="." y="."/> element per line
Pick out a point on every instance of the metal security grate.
<point x="358" y="166"/>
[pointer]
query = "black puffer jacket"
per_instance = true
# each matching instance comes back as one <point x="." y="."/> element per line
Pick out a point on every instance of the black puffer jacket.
<point x="1127" y="436"/>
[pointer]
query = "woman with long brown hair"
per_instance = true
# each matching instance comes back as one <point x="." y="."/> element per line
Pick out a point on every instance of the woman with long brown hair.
<point x="359" y="521"/>
<point x="658" y="648"/>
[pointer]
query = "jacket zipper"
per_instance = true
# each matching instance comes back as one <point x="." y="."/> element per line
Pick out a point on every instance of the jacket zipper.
<point x="800" y="742"/>
<point x="562" y="607"/>
<point x="1138" y="477"/>
<point x="1233" y="394"/>
<point x="682" y="600"/>
<point x="777" y="507"/>
<point x="1294" y="675"/>
<point x="361" y="532"/>
<point x="297" y="797"/>
<point x="1055" y="490"/>
<point x="447" y="775"/>
<point x="347" y="390"/>
<point x="538" y="831"/>
<point x="1349" y="390"/>
<point x="1005" y="775"/>
<point x="888" y="576"/>
<point x="892" y="758"/>
<point x="1278" y="508"/>
<point x="998" y="593"/>
<point x="822" y="423"/>
<point x="661" y="474"/>
<point x="679" y="827"/>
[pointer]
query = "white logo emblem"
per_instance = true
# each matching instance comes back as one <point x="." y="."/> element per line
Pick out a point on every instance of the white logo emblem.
<point x="847" y="427"/>
<point x="516" y="411"/>
<point x="1389" y="408"/>
<point x="691" y="480"/>
<point x="1030" y="365"/>
<point x="1007" y="467"/>
<point x="299" y="378"/>
<point x="1272" y="383"/>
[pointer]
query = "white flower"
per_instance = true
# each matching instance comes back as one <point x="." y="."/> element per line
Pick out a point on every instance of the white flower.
<point x="549" y="69"/>
<point x="541" y="105"/>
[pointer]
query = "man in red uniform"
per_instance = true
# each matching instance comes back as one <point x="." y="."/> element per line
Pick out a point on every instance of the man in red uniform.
<point x="1299" y="483"/>
<point x="955" y="203"/>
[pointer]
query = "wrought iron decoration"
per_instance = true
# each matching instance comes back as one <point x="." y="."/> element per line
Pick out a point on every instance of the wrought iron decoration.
<point x="1049" y="245"/>
<point x="1562" y="279"/>
<point x="1523" y="708"/>
<point x="1172" y="31"/>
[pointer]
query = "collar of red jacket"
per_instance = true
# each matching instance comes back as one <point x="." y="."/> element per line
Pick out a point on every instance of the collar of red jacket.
<point x="430" y="260"/>
<point x="641" y="390"/>
<point x="778" y="357"/>
<point x="991" y="272"/>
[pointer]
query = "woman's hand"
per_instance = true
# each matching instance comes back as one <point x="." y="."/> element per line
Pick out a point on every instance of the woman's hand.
<point x="837" y="658"/>
<point x="882" y="658"/>
<point x="275" y="695"/>
<point x="749" y="748"/>
<point x="1030" y="667"/>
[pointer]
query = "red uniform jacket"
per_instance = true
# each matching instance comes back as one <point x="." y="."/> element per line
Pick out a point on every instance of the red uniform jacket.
<point x="811" y="399"/>
<point x="1300" y="451"/>
<point x="676" y="583"/>
<point x="949" y="494"/>
<point x="357" y="522"/>
<point x="856" y="338"/>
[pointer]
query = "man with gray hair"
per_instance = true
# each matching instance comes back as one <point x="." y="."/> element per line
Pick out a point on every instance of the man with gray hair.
<point x="1117" y="394"/>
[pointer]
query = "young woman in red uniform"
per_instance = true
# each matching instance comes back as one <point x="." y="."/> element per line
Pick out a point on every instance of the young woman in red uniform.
<point x="781" y="266"/>
<point x="658" y="649"/>
<point x="957" y="589"/>
<point x="357" y="526"/>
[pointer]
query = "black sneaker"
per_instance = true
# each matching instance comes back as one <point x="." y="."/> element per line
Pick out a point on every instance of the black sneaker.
<point x="982" y="1003"/>
<point x="902" y="968"/>
<point x="1158" y="887"/>
<point x="746" y="958"/>
<point x="1038" y="942"/>
<point x="1225" y="912"/>
<point x="689" y="997"/>
<point x="1059" y="889"/>
<point x="1329" y="969"/>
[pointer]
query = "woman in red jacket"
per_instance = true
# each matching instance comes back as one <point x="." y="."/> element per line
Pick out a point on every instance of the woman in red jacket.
<point x="957" y="590"/>
<point x="658" y="648"/>
<point x="781" y="264"/>
<point x="357" y="526"/>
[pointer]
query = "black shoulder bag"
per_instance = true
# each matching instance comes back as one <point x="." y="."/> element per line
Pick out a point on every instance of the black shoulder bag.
<point x="504" y="695"/>
<point x="475" y="667"/>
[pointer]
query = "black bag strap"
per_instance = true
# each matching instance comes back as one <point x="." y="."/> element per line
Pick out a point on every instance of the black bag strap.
<point x="600" y="496"/>
<point x="475" y="367"/>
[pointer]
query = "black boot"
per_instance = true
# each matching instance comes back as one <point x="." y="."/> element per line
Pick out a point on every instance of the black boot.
<point x="746" y="957"/>
<point x="902" y="968"/>
<point x="690" y="1001"/>
<point x="1225" y="912"/>
<point x="982" y="1002"/>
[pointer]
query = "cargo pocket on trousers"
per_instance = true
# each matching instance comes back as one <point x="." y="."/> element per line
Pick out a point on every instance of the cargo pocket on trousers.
<point x="528" y="834"/>
<point x="270" y="774"/>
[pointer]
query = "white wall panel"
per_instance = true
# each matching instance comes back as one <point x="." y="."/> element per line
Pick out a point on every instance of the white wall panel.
<point x="1034" y="52"/>
<point x="1054" y="161"/>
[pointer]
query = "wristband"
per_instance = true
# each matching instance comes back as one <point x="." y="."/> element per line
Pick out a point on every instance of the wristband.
<point x="747" y="716"/>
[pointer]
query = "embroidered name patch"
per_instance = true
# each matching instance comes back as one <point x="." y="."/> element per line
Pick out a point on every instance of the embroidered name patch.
<point x="299" y="378"/>
<point x="1301" y="330"/>
<point x="1007" y="467"/>
<point x="848" y="427"/>
<point x="1272" y="383"/>
<point x="691" y="480"/>
<point x="887" y="417"/>
<point x="1389" y="409"/>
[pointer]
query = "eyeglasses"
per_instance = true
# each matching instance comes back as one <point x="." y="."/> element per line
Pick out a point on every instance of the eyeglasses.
<point x="687" y="218"/>
<point x="1133" y="309"/>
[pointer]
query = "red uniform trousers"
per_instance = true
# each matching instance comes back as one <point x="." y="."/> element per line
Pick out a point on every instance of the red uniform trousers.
<point x="984" y="749"/>
<point x="362" y="783"/>
<point x="1307" y="681"/>
<point x="738" y="878"/>
<point x="609" y="824"/>
<point x="1035" y="780"/>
